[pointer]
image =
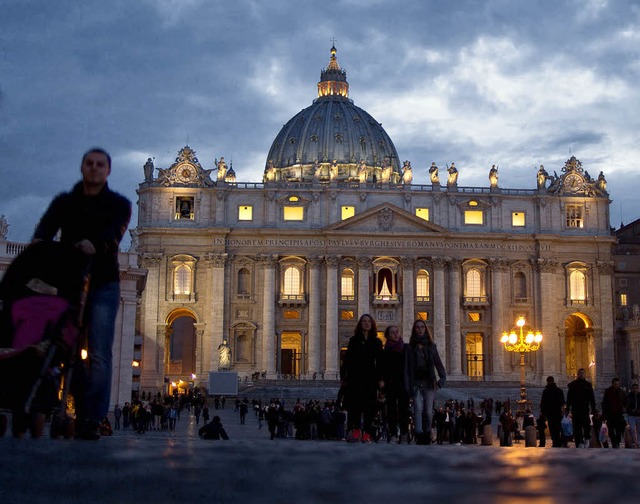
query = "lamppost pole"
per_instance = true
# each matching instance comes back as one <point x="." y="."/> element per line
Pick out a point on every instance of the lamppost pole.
<point x="522" y="344"/>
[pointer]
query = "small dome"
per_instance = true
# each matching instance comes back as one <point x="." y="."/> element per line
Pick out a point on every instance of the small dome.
<point x="333" y="139"/>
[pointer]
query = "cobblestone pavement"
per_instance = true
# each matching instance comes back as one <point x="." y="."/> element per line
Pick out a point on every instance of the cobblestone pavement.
<point x="163" y="467"/>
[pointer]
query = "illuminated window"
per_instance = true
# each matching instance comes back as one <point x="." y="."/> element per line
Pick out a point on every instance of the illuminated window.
<point x="347" y="285"/>
<point x="422" y="286"/>
<point x="474" y="316"/>
<point x="291" y="314"/>
<point x="348" y="211"/>
<point x="293" y="199"/>
<point x="474" y="217"/>
<point x="623" y="299"/>
<point x="291" y="286"/>
<point x="422" y="315"/>
<point x="184" y="208"/>
<point x="575" y="216"/>
<point x="517" y="219"/>
<point x="473" y="203"/>
<point x="577" y="286"/>
<point x="475" y="357"/>
<point x="385" y="285"/>
<point x="245" y="213"/>
<point x="474" y="285"/>
<point x="347" y="315"/>
<point x="423" y="213"/>
<point x="182" y="280"/>
<point x="293" y="213"/>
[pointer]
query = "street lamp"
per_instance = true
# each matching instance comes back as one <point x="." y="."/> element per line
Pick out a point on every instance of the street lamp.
<point x="524" y="343"/>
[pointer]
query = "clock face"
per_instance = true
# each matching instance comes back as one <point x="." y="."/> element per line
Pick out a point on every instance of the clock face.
<point x="572" y="183"/>
<point x="185" y="173"/>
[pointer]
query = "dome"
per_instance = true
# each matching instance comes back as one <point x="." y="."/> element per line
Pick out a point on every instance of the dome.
<point x="332" y="139"/>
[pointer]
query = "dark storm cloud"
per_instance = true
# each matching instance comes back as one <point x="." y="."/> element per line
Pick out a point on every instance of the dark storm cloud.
<point x="475" y="82"/>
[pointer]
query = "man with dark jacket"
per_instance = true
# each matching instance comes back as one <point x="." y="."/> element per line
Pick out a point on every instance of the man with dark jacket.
<point x="581" y="401"/>
<point x="551" y="406"/>
<point x="93" y="219"/>
<point x="213" y="430"/>
<point x="614" y="403"/>
<point x="633" y="412"/>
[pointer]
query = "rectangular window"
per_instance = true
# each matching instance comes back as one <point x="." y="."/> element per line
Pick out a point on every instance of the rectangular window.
<point x="517" y="219"/>
<point x="184" y="208"/>
<point x="347" y="315"/>
<point x="245" y="213"/>
<point x="623" y="299"/>
<point x="422" y="315"/>
<point x="475" y="217"/>
<point x="474" y="316"/>
<point x="423" y="213"/>
<point x="348" y="211"/>
<point x="293" y="213"/>
<point x="575" y="216"/>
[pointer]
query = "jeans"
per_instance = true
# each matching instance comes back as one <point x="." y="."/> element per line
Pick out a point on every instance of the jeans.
<point x="100" y="317"/>
<point x="634" y="426"/>
<point x="423" y="398"/>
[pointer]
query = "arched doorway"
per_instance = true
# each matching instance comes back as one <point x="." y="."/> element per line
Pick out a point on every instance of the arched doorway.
<point x="579" y="346"/>
<point x="180" y="345"/>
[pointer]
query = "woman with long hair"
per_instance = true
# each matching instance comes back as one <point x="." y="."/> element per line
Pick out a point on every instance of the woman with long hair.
<point x="360" y="375"/>
<point x="422" y="361"/>
<point x="392" y="384"/>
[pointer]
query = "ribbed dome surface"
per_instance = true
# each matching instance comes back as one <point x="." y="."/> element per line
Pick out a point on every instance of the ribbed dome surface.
<point x="332" y="131"/>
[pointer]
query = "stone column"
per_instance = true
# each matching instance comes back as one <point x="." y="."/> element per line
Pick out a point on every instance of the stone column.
<point x="217" y="264"/>
<point x="152" y="372"/>
<point x="122" y="377"/>
<point x="455" y="338"/>
<point x="201" y="371"/>
<point x="331" y="336"/>
<point x="604" y="344"/>
<point x="268" y="264"/>
<point x="364" y="271"/>
<point x="550" y="349"/>
<point x="439" y="328"/>
<point x="408" y="297"/>
<point x="314" y="316"/>
<point x="498" y="324"/>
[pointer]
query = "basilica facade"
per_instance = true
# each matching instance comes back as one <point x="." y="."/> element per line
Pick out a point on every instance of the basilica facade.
<point x="271" y="276"/>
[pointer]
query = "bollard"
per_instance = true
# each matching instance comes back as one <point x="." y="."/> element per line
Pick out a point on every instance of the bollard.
<point x="530" y="436"/>
<point x="487" y="435"/>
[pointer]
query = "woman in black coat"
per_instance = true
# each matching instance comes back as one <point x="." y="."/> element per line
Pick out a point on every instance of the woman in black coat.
<point x="392" y="384"/>
<point x="360" y="376"/>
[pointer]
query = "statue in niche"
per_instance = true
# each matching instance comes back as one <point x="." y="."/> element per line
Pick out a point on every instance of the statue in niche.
<point x="452" y="180"/>
<point x="407" y="173"/>
<point x="493" y="176"/>
<point x="224" y="358"/>
<point x="148" y="170"/>
<point x="542" y="177"/>
<point x="222" y="169"/>
<point x="433" y="174"/>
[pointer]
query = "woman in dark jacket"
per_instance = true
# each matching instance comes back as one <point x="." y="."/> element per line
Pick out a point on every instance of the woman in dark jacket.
<point x="360" y="376"/>
<point x="392" y="384"/>
<point x="421" y="363"/>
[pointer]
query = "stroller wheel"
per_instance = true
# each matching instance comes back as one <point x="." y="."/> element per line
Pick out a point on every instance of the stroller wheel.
<point x="37" y="425"/>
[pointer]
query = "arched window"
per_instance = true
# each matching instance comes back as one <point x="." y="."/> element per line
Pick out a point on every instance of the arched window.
<point x="291" y="285"/>
<point x="385" y="286"/>
<point x="422" y="285"/>
<point x="474" y="284"/>
<point x="182" y="280"/>
<point x="347" y="291"/>
<point x="520" y="287"/>
<point x="577" y="286"/>
<point x="244" y="282"/>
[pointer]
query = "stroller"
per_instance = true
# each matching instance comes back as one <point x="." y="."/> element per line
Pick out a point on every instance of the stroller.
<point x="42" y="297"/>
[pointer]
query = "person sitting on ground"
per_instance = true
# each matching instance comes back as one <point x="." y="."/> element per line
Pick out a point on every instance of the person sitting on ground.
<point x="213" y="430"/>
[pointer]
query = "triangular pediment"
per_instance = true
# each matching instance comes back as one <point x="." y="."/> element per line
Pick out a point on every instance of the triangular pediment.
<point x="385" y="218"/>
